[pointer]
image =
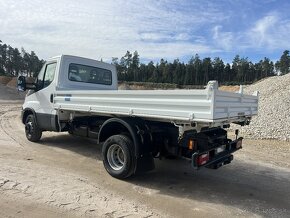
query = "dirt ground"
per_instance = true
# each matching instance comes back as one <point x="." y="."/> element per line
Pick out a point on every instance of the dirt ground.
<point x="63" y="176"/>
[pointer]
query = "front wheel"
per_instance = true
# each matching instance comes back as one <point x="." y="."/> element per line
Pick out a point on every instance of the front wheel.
<point x="33" y="133"/>
<point x="118" y="156"/>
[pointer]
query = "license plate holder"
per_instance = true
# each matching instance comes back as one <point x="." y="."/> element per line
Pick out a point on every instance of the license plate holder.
<point x="220" y="149"/>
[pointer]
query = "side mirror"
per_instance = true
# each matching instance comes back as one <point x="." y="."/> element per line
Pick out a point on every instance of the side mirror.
<point x="21" y="84"/>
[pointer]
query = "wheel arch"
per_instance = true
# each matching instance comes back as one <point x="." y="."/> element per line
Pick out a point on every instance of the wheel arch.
<point x="116" y="126"/>
<point x="140" y="134"/>
<point x="134" y="127"/>
<point x="26" y="112"/>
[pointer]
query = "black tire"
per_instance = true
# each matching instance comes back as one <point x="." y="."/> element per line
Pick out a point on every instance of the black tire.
<point x="70" y="132"/>
<point x="33" y="133"/>
<point x="118" y="156"/>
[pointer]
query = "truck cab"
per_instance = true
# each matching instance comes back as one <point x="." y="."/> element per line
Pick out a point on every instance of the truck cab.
<point x="64" y="72"/>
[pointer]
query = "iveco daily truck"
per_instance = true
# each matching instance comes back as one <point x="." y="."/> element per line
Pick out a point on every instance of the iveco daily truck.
<point x="80" y="96"/>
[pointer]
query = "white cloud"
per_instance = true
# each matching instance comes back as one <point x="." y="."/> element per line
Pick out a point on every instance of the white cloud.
<point x="260" y="32"/>
<point x="270" y="32"/>
<point x="223" y="40"/>
<point x="155" y="28"/>
<point x="104" y="28"/>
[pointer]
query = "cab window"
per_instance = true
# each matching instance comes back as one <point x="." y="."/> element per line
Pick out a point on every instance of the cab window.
<point x="46" y="75"/>
<point x="39" y="79"/>
<point x="49" y="74"/>
<point x="89" y="74"/>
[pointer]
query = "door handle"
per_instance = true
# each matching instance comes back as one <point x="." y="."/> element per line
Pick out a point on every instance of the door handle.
<point x="51" y="98"/>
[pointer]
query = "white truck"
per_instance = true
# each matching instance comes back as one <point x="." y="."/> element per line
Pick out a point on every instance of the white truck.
<point x="81" y="96"/>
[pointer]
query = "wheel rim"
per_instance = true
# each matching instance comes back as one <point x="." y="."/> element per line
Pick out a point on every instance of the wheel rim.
<point x="116" y="157"/>
<point x="29" y="128"/>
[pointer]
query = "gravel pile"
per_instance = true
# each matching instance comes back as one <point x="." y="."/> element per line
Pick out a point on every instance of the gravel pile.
<point x="273" y="120"/>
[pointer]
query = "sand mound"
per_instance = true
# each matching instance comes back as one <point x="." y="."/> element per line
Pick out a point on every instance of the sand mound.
<point x="5" y="79"/>
<point x="12" y="82"/>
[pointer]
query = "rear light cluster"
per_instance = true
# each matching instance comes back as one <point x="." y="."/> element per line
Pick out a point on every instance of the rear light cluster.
<point x="192" y="144"/>
<point x="203" y="159"/>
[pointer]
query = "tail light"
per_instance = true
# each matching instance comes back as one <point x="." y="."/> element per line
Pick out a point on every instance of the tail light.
<point x="191" y="144"/>
<point x="202" y="159"/>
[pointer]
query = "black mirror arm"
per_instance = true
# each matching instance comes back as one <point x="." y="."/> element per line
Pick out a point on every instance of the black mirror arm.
<point x="32" y="86"/>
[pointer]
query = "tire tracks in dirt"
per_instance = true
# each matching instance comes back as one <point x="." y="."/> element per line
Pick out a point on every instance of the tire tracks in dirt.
<point x="6" y="125"/>
<point x="30" y="180"/>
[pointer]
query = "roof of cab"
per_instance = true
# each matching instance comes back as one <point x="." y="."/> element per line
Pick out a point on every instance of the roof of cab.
<point x="74" y="56"/>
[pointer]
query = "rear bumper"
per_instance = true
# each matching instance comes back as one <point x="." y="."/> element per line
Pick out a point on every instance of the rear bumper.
<point x="220" y="159"/>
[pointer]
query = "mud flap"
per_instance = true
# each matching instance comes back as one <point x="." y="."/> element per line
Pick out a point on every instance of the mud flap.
<point x="145" y="164"/>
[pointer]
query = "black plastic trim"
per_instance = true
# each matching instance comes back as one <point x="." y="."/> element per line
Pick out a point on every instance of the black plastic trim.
<point x="26" y="112"/>
<point x="127" y="124"/>
<point x="47" y="122"/>
<point x="218" y="158"/>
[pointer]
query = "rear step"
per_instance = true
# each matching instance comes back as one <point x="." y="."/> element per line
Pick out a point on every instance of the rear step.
<point x="219" y="163"/>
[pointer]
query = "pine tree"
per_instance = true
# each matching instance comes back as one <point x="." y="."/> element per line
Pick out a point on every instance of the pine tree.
<point x="283" y="65"/>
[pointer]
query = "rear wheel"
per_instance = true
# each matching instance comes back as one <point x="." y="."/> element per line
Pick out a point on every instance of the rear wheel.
<point x="118" y="156"/>
<point x="33" y="133"/>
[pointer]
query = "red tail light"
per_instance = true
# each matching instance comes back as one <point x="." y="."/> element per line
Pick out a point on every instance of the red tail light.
<point x="202" y="159"/>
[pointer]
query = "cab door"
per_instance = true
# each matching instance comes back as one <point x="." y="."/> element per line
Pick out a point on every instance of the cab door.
<point x="46" y="115"/>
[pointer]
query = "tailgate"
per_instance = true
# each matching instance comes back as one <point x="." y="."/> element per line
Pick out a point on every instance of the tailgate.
<point x="229" y="105"/>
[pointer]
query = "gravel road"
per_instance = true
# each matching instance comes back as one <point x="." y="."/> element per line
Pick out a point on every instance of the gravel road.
<point x="63" y="176"/>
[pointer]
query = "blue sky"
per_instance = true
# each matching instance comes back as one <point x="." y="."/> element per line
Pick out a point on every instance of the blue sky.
<point x="155" y="28"/>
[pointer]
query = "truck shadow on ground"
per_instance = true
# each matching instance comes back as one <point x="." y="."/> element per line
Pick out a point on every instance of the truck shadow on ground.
<point x="83" y="146"/>
<point x="255" y="188"/>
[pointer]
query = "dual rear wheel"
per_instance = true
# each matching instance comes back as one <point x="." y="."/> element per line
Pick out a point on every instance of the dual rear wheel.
<point x="118" y="156"/>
